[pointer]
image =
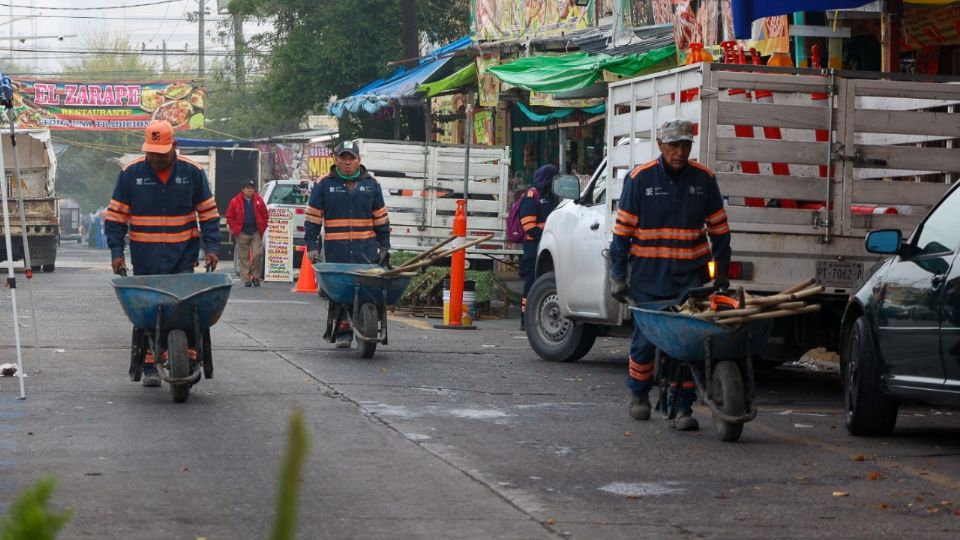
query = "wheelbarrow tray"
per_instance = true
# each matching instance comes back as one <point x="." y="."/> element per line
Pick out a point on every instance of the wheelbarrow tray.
<point x="339" y="281"/>
<point x="682" y="336"/>
<point x="176" y="295"/>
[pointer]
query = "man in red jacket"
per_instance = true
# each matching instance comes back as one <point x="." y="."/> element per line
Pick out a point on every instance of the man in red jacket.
<point x="247" y="219"/>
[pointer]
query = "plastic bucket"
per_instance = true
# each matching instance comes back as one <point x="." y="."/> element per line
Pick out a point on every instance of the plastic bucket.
<point x="469" y="300"/>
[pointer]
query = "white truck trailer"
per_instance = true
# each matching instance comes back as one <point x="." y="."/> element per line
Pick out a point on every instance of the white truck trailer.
<point x="36" y="183"/>
<point x="891" y="145"/>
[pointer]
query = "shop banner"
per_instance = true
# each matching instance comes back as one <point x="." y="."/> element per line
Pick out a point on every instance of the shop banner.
<point x="319" y="160"/>
<point x="67" y="105"/>
<point x="278" y="246"/>
<point x="508" y="19"/>
<point x="488" y="84"/>
<point x="771" y="35"/>
<point x="548" y="100"/>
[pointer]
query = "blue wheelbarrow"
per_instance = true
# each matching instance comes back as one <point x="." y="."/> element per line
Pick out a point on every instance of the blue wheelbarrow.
<point x="718" y="358"/>
<point x="172" y="316"/>
<point x="365" y="297"/>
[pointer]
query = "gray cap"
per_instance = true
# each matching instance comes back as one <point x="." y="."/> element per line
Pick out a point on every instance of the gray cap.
<point x="350" y="147"/>
<point x="675" y="130"/>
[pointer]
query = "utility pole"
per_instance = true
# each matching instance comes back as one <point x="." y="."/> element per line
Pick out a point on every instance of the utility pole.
<point x="238" y="51"/>
<point x="411" y="49"/>
<point x="164" y="57"/>
<point x="200" y="14"/>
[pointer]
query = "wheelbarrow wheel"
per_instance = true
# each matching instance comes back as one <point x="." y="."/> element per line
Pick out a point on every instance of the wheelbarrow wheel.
<point x="178" y="363"/>
<point x="366" y="323"/>
<point x="728" y="394"/>
<point x="138" y="349"/>
<point x="207" y="355"/>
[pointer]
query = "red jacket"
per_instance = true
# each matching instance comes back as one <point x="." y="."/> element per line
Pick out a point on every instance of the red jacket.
<point x="235" y="213"/>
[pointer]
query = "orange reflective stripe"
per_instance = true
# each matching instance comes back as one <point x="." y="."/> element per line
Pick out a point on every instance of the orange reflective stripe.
<point x="688" y="385"/>
<point x="206" y="205"/>
<point x="318" y="220"/>
<point x="163" y="238"/>
<point x="380" y="212"/>
<point x="528" y="219"/>
<point x="352" y="235"/>
<point x="331" y="223"/>
<point x="209" y="215"/>
<point x="163" y="221"/>
<point x="113" y="216"/>
<point x="621" y="230"/>
<point x="641" y="372"/>
<point x="720" y="229"/>
<point x="118" y="206"/>
<point x="668" y="234"/>
<point x="716" y="217"/>
<point x="380" y="221"/>
<point x="627" y="217"/>
<point x="643" y="167"/>
<point x="311" y="211"/>
<point x="662" y="252"/>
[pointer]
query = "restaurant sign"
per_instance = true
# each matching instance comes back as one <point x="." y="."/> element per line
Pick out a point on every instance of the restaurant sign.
<point x="106" y="106"/>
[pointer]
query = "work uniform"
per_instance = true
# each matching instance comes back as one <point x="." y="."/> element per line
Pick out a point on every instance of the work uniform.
<point x="661" y="230"/>
<point x="353" y="220"/>
<point x="537" y="203"/>
<point x="162" y="217"/>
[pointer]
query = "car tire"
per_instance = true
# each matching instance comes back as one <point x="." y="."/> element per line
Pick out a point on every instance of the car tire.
<point x="868" y="410"/>
<point x="552" y="336"/>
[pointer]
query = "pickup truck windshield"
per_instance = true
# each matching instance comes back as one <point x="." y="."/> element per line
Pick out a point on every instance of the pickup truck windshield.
<point x="288" y="194"/>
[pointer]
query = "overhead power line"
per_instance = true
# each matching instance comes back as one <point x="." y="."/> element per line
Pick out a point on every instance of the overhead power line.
<point x="156" y="3"/>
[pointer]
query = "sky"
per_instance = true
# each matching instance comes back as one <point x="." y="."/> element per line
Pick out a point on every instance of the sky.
<point x="38" y="24"/>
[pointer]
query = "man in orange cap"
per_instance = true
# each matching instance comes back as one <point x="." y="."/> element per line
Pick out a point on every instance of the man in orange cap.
<point x="159" y="199"/>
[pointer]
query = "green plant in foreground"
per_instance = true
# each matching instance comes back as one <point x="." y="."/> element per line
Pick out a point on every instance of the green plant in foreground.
<point x="285" y="525"/>
<point x="30" y="519"/>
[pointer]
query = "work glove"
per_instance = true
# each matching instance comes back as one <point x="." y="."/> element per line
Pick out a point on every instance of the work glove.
<point x="619" y="290"/>
<point x="384" y="258"/>
<point x="313" y="255"/>
<point x="721" y="282"/>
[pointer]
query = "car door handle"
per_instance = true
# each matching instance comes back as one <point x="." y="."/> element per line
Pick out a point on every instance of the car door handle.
<point x="937" y="280"/>
<point x="595" y="226"/>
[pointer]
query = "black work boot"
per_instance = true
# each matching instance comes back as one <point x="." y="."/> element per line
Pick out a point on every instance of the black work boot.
<point x="686" y="422"/>
<point x="640" y="408"/>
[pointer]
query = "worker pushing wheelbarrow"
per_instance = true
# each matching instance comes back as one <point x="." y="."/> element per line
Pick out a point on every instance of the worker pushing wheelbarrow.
<point x="713" y="338"/>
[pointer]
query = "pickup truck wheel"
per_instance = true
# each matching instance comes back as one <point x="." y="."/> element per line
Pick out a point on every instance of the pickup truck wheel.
<point x="867" y="409"/>
<point x="552" y="336"/>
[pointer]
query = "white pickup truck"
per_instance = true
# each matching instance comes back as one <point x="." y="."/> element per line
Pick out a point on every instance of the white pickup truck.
<point x="891" y="144"/>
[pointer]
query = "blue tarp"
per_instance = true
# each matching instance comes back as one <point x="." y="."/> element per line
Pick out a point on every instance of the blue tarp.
<point x="402" y="84"/>
<point x="559" y="113"/>
<point x="747" y="11"/>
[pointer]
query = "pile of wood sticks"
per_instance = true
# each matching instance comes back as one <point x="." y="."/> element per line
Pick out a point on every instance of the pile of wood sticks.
<point x="428" y="257"/>
<point x="755" y="307"/>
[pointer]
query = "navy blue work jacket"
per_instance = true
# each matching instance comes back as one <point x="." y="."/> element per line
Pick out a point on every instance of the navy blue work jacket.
<point x="162" y="218"/>
<point x="354" y="222"/>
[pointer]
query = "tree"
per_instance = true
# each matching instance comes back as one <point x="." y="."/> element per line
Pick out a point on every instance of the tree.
<point x="321" y="49"/>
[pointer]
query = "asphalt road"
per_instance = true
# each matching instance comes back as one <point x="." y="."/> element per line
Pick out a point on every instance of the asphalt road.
<point x="443" y="434"/>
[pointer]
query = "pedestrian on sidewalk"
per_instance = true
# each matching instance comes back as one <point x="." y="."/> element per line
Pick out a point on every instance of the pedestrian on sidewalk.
<point x="667" y="210"/>
<point x="538" y="202"/>
<point x="247" y="218"/>
<point x="347" y="205"/>
<point x="160" y="199"/>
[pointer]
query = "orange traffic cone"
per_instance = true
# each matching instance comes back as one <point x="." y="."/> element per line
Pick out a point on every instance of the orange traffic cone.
<point x="307" y="282"/>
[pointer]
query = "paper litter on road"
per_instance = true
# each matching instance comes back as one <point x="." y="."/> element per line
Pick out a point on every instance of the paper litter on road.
<point x="803" y="426"/>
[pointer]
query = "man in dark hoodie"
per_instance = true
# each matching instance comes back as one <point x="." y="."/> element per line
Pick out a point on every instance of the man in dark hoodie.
<point x="536" y="205"/>
<point x="348" y="206"/>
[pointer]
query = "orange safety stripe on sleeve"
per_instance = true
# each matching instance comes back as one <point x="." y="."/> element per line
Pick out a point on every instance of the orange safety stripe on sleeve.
<point x="716" y="217"/>
<point x="311" y="211"/>
<point x="719" y="229"/>
<point x="668" y="234"/>
<point x="661" y="252"/>
<point x="205" y="205"/>
<point x="379" y="212"/>
<point x="352" y="235"/>
<point x="627" y="217"/>
<point x="163" y="238"/>
<point x="118" y="206"/>
<point x="317" y="220"/>
<point x="643" y="167"/>
<point x="208" y="216"/>
<point x="114" y="216"/>
<point x="622" y="230"/>
<point x="163" y="221"/>
<point x="332" y="223"/>
<point x="380" y="221"/>
<point x="528" y="219"/>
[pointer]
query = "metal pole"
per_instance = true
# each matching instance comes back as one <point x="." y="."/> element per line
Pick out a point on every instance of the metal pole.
<point x="27" y="263"/>
<point x="200" y="44"/>
<point x="827" y="204"/>
<point x="6" y="93"/>
<point x="467" y="139"/>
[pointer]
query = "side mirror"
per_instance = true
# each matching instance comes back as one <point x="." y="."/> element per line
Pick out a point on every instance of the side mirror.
<point x="884" y="242"/>
<point x="566" y="186"/>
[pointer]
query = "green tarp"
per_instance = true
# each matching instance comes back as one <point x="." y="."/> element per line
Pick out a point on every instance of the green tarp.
<point x="564" y="73"/>
<point x="465" y="77"/>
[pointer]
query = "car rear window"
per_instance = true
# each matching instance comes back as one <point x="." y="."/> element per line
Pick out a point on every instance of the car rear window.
<point x="288" y="194"/>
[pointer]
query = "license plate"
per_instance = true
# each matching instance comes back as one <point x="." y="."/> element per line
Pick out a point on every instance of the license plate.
<point x="839" y="274"/>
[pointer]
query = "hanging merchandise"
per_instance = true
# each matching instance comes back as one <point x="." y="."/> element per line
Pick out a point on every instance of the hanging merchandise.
<point x="487" y="84"/>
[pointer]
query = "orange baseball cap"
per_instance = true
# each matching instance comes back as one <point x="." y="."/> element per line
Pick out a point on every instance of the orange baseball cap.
<point x="158" y="137"/>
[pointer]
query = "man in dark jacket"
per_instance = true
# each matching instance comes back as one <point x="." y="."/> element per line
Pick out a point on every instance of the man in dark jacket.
<point x="536" y="205"/>
<point x="247" y="218"/>
<point x="159" y="199"/>
<point x="347" y="205"/>
<point x="667" y="209"/>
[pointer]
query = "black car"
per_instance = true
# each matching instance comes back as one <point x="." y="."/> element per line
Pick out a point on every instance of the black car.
<point x="900" y="336"/>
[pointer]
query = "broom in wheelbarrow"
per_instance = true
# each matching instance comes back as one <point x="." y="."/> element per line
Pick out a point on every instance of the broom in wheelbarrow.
<point x="428" y="257"/>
